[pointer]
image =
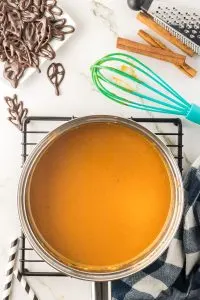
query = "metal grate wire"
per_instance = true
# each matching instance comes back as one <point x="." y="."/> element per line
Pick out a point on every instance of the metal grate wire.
<point x="35" y="128"/>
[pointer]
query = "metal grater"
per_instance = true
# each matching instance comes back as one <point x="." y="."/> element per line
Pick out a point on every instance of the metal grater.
<point x="175" y="16"/>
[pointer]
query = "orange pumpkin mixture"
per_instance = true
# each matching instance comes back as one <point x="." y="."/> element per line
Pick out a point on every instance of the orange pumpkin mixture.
<point x="100" y="194"/>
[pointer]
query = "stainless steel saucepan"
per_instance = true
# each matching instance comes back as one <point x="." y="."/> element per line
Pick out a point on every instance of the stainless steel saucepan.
<point x="102" y="278"/>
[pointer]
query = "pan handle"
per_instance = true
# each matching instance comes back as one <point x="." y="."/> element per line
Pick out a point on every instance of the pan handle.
<point x="101" y="291"/>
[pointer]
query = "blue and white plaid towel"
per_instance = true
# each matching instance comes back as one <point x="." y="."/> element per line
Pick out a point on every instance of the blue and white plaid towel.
<point x="176" y="274"/>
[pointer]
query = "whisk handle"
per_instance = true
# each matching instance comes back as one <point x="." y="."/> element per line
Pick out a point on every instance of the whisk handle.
<point x="194" y="114"/>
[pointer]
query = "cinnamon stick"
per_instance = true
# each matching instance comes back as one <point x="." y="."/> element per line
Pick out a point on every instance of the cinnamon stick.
<point x="161" y="54"/>
<point x="151" y="40"/>
<point x="147" y="20"/>
<point x="185" y="68"/>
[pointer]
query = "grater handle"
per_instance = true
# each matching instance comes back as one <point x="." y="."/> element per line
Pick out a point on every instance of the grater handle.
<point x="135" y="4"/>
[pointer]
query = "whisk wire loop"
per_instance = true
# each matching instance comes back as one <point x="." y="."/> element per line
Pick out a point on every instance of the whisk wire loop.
<point x="152" y="75"/>
<point x="135" y="79"/>
<point x="171" y="102"/>
<point x="129" y="103"/>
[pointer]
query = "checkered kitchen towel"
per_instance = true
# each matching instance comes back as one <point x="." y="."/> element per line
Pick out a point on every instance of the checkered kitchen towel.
<point x="176" y="274"/>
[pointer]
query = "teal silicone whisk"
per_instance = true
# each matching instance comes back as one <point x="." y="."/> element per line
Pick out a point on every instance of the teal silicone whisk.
<point x="115" y="82"/>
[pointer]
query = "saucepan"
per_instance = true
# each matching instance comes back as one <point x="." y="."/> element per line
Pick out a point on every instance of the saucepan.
<point x="101" y="278"/>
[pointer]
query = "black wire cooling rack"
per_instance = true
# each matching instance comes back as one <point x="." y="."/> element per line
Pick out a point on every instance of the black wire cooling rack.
<point x="35" y="128"/>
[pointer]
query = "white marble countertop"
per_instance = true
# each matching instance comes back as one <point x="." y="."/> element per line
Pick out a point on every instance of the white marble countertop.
<point x="98" y="24"/>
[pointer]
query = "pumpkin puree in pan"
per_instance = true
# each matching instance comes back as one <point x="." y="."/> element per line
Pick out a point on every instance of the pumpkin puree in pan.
<point x="100" y="194"/>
